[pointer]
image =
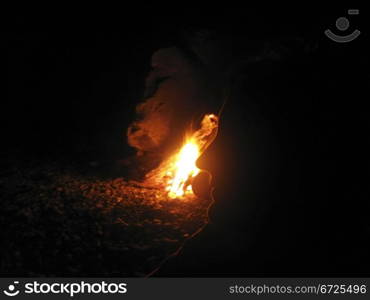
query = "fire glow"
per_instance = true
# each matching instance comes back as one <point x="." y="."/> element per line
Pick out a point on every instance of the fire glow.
<point x="177" y="172"/>
<point x="185" y="169"/>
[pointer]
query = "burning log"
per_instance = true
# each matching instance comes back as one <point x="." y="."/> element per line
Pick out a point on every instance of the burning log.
<point x="176" y="174"/>
<point x="202" y="185"/>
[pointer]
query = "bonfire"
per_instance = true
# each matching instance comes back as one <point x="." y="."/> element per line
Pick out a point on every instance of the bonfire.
<point x="176" y="174"/>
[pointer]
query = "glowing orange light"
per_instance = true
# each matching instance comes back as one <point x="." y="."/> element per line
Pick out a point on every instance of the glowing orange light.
<point x="175" y="174"/>
<point x="185" y="169"/>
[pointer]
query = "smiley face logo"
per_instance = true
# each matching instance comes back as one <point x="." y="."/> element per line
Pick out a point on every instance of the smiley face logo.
<point x="11" y="292"/>
<point x="342" y="24"/>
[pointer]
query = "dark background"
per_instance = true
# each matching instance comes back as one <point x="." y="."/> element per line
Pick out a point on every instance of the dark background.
<point x="290" y="163"/>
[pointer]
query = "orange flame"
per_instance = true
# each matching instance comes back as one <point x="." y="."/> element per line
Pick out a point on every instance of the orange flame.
<point x="185" y="169"/>
<point x="177" y="172"/>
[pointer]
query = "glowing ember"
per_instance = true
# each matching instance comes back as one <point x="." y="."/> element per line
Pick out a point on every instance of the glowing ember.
<point x="177" y="172"/>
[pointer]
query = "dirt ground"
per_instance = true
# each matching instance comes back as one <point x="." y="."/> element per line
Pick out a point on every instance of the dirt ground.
<point x="58" y="221"/>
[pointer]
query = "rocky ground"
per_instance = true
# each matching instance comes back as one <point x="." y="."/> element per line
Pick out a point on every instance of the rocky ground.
<point x="60" y="219"/>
